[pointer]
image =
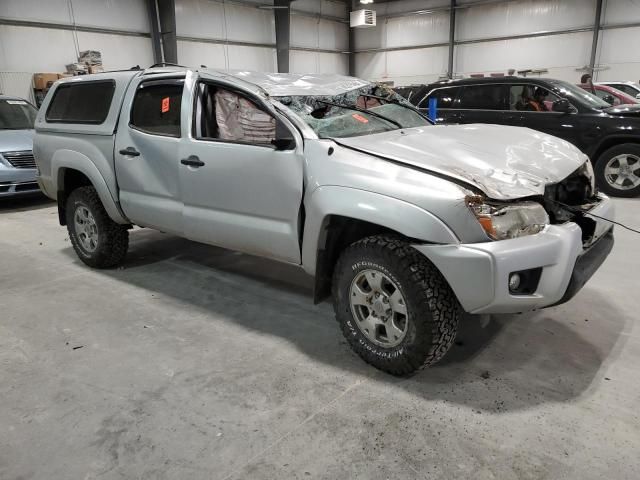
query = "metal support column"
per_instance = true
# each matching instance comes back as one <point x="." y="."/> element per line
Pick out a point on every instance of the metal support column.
<point x="452" y="37"/>
<point x="156" y="43"/>
<point x="167" y="16"/>
<point x="283" y="26"/>
<point x="596" y="33"/>
<point x="352" y="52"/>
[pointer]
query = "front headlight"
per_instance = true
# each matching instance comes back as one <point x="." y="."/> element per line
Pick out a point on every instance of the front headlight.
<point x="508" y="221"/>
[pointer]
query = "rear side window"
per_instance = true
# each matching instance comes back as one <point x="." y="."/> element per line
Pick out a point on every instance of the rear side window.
<point x="483" y="97"/>
<point x="156" y="108"/>
<point x="445" y="97"/>
<point x="81" y="102"/>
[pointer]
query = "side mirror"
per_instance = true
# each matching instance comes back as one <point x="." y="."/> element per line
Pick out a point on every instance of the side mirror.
<point x="609" y="99"/>
<point x="562" y="106"/>
<point x="638" y="96"/>
<point x="284" y="143"/>
<point x="284" y="139"/>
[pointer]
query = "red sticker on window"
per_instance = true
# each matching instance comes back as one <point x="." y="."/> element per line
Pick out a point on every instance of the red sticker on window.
<point x="165" y="104"/>
<point x="360" y="118"/>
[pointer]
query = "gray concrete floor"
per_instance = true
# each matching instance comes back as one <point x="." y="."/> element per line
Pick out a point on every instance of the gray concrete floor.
<point x="196" y="362"/>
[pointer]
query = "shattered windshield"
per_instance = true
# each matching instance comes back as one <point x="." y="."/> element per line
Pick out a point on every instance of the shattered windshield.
<point x="363" y="111"/>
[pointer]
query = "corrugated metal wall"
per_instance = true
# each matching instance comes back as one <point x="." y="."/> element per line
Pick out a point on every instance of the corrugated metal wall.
<point x="205" y="22"/>
<point x="312" y="32"/>
<point x="563" y="55"/>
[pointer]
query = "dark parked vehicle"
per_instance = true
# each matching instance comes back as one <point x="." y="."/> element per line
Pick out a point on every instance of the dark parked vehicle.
<point x="610" y="136"/>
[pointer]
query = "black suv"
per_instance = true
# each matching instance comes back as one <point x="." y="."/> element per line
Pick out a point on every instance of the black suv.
<point x="610" y="136"/>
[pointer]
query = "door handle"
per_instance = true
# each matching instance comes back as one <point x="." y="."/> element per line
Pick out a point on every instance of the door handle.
<point x="192" y="161"/>
<point x="130" y="151"/>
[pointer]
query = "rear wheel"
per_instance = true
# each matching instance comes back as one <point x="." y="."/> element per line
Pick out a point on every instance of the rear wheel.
<point x="98" y="241"/>
<point x="395" y="308"/>
<point x="618" y="170"/>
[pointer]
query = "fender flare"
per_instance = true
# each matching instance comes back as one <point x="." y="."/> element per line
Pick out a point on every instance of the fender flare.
<point x="389" y="212"/>
<point x="77" y="161"/>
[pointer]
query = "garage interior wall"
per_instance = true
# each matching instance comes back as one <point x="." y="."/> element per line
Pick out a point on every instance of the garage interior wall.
<point x="388" y="51"/>
<point x="319" y="37"/>
<point x="25" y="50"/>
<point x="231" y="34"/>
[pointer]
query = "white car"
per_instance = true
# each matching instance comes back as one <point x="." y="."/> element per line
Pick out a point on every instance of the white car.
<point x="630" y="88"/>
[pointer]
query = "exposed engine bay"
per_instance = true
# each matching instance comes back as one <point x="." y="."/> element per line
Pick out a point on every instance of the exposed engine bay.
<point x="570" y="200"/>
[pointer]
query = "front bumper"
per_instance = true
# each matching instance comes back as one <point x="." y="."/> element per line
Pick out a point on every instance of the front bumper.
<point x="479" y="273"/>
<point x="17" y="181"/>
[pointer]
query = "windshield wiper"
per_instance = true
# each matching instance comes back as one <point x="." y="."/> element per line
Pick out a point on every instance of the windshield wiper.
<point x="396" y="102"/>
<point x="363" y="110"/>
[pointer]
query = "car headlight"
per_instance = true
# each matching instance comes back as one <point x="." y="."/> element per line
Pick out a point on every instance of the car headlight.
<point x="508" y="221"/>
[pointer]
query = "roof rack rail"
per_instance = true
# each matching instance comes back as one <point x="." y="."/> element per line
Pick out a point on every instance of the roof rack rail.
<point x="166" y="64"/>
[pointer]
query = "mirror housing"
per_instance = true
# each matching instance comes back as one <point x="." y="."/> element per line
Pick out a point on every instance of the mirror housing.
<point x="284" y="143"/>
<point x="562" y="106"/>
<point x="609" y="99"/>
<point x="284" y="138"/>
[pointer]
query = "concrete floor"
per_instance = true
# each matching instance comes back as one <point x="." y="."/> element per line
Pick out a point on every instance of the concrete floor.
<point x="195" y="362"/>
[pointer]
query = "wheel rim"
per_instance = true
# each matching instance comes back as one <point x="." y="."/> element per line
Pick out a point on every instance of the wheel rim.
<point x="86" y="228"/>
<point x="379" y="308"/>
<point x="622" y="172"/>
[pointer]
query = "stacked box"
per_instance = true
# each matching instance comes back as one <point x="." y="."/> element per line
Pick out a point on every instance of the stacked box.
<point x="90" y="57"/>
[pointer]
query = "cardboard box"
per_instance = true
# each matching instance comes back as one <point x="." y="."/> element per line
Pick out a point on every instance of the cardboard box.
<point x="64" y="75"/>
<point x="42" y="81"/>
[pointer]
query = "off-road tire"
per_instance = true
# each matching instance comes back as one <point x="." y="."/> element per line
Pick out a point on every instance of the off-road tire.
<point x="433" y="311"/>
<point x="113" y="238"/>
<point x="601" y="163"/>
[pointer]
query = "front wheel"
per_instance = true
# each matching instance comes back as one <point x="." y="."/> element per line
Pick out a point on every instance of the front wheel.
<point x="618" y="170"/>
<point x="98" y="241"/>
<point x="395" y="309"/>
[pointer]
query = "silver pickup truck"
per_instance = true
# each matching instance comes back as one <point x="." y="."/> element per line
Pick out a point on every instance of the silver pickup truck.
<point x="406" y="224"/>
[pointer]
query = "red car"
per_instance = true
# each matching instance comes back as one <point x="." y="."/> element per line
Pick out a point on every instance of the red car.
<point x="610" y="94"/>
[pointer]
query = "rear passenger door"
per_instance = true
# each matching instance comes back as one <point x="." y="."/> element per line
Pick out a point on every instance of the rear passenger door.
<point x="486" y="103"/>
<point x="147" y="154"/>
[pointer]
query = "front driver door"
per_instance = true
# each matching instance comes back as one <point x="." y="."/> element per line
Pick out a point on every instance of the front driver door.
<point x="239" y="191"/>
<point x="559" y="124"/>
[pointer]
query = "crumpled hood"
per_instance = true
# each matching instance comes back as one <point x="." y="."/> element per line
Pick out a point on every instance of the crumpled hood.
<point x="504" y="162"/>
<point x="16" y="140"/>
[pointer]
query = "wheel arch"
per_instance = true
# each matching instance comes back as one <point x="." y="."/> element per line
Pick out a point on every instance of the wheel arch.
<point x="339" y="216"/>
<point x="610" y="142"/>
<point x="72" y="170"/>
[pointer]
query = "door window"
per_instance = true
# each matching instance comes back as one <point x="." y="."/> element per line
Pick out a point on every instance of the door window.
<point x="482" y="97"/>
<point x="603" y="93"/>
<point x="625" y="88"/>
<point x="229" y="116"/>
<point x="445" y="97"/>
<point x="156" y="107"/>
<point x="531" y="98"/>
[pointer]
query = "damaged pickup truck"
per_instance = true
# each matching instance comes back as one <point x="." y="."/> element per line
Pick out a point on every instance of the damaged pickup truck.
<point x="405" y="224"/>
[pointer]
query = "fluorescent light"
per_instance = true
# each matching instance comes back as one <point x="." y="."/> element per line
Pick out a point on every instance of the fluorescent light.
<point x="366" y="1"/>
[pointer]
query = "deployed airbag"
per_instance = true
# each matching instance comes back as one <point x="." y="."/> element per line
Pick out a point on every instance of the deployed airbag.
<point x="241" y="120"/>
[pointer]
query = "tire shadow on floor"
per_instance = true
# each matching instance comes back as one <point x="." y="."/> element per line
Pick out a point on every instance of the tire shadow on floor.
<point x="498" y="363"/>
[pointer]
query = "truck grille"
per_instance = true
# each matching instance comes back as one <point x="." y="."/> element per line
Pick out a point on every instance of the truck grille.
<point x="22" y="159"/>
